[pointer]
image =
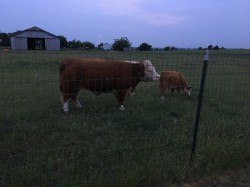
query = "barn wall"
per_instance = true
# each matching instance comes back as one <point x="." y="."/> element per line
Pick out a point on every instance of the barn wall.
<point x="13" y="43"/>
<point x="52" y="44"/>
<point x="19" y="43"/>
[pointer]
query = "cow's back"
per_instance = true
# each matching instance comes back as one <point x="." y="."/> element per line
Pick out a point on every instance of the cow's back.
<point x="171" y="79"/>
<point x="98" y="75"/>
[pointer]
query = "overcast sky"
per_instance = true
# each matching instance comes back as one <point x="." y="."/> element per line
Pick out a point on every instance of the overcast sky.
<point x="160" y="23"/>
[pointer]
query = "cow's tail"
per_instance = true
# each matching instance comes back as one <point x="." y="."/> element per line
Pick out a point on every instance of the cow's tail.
<point x="62" y="68"/>
<point x="62" y="100"/>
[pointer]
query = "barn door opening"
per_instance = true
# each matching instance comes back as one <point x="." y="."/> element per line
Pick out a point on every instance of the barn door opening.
<point x="36" y="43"/>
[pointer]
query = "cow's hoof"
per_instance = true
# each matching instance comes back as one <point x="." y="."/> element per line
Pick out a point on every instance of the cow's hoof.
<point x="65" y="111"/>
<point x="122" y="108"/>
<point x="162" y="98"/>
<point x="78" y="104"/>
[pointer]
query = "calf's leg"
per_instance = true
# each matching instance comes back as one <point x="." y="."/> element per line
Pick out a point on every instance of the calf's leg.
<point x="162" y="91"/>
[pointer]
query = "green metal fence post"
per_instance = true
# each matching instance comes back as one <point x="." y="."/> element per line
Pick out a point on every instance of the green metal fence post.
<point x="197" y="120"/>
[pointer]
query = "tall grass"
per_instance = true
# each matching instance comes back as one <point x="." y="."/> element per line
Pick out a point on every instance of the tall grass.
<point x="148" y="144"/>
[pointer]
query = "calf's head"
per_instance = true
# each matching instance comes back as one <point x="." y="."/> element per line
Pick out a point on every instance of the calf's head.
<point x="150" y="73"/>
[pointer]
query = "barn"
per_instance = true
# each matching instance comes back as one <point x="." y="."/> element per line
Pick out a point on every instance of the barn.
<point x="34" y="38"/>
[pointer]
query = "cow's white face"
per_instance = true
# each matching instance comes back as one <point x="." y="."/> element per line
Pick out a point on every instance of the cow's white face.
<point x="131" y="62"/>
<point x="150" y="72"/>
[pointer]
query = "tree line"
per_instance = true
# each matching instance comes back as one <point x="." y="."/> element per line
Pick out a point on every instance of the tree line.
<point x="120" y="44"/>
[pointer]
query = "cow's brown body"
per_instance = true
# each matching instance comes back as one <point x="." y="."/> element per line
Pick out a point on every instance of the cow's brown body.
<point x="173" y="80"/>
<point x="98" y="76"/>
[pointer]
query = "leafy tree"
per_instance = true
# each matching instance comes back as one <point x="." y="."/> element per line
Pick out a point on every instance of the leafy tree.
<point x="88" y="45"/>
<point x="168" y="48"/>
<point x="210" y="46"/>
<point x="173" y="48"/>
<point x="75" y="44"/>
<point x="100" y="46"/>
<point x="216" y="47"/>
<point x="145" y="47"/>
<point x="5" y="39"/>
<point x="121" y="43"/>
<point x="63" y="41"/>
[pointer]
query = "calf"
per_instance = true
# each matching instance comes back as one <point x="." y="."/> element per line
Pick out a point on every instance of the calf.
<point x="102" y="76"/>
<point x="173" y="80"/>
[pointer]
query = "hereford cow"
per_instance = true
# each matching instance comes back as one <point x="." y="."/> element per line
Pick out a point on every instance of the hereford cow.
<point x="173" y="80"/>
<point x="131" y="90"/>
<point x="102" y="76"/>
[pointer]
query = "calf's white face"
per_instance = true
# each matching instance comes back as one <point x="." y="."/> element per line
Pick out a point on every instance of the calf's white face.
<point x="187" y="90"/>
<point x="150" y="72"/>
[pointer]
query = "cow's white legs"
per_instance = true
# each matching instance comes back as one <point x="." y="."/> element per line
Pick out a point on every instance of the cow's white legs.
<point x="66" y="106"/>
<point x="78" y="104"/>
<point x="122" y="108"/>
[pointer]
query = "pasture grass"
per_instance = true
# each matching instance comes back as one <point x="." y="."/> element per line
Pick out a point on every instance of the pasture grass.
<point x="149" y="144"/>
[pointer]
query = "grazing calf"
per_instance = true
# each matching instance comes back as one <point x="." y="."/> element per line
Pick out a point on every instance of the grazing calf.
<point x="102" y="76"/>
<point x="173" y="80"/>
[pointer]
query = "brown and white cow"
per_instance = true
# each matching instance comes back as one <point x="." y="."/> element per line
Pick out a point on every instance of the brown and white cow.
<point x="173" y="80"/>
<point x="102" y="76"/>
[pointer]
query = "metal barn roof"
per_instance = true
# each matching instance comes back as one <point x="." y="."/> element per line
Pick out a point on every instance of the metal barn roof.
<point x="33" y="29"/>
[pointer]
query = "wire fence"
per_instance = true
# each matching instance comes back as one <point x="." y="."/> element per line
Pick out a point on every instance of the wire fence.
<point x="147" y="144"/>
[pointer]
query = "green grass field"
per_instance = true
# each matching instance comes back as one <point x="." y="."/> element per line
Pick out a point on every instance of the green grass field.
<point x="149" y="144"/>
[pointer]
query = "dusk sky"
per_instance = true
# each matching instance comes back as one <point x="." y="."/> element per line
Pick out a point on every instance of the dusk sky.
<point x="160" y="23"/>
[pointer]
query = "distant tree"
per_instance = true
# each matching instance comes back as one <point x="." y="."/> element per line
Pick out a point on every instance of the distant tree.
<point x="100" y="46"/>
<point x="63" y="41"/>
<point x="88" y="45"/>
<point x="145" y="47"/>
<point x="75" y="44"/>
<point x="216" y="47"/>
<point x="173" y="48"/>
<point x="5" y="39"/>
<point x="200" y="48"/>
<point x="120" y="44"/>
<point x="168" y="48"/>
<point x="210" y="46"/>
